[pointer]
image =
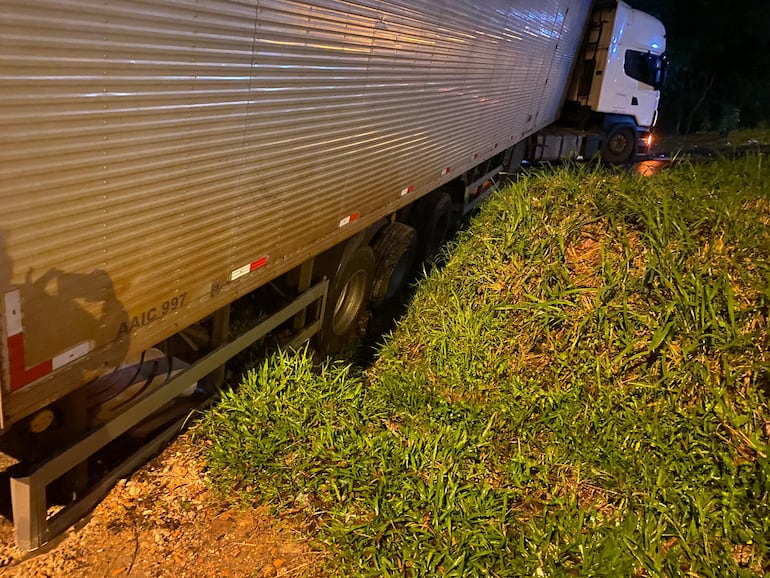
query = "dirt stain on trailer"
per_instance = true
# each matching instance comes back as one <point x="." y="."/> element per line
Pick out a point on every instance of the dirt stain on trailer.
<point x="58" y="318"/>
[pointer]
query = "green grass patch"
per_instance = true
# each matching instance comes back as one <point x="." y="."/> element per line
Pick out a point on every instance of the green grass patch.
<point x="581" y="390"/>
<point x="696" y="145"/>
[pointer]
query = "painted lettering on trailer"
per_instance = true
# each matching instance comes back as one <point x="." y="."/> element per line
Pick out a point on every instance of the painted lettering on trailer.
<point x="152" y="314"/>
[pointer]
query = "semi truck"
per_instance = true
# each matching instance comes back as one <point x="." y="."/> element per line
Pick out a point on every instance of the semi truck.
<point x="162" y="160"/>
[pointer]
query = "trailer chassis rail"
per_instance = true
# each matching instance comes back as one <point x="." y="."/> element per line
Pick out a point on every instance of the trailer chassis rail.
<point x="28" y="493"/>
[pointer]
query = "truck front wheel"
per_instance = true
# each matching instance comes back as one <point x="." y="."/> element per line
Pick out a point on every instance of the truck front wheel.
<point x="620" y="146"/>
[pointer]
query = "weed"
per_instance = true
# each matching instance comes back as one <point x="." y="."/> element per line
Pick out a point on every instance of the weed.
<point x="580" y="390"/>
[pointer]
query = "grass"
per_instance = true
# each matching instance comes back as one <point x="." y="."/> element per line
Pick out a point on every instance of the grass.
<point x="695" y="145"/>
<point x="581" y="390"/>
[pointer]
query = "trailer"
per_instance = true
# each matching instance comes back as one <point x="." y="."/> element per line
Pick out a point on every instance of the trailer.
<point x="162" y="159"/>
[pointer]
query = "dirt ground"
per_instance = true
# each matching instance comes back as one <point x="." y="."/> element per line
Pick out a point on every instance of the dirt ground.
<point x="164" y="521"/>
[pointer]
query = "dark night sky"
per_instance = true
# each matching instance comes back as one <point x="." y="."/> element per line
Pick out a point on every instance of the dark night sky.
<point x="719" y="57"/>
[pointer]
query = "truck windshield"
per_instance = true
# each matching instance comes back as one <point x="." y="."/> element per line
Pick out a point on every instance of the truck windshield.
<point x="646" y="67"/>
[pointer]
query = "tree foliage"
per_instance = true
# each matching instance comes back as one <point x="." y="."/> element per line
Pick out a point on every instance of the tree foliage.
<point x="719" y="63"/>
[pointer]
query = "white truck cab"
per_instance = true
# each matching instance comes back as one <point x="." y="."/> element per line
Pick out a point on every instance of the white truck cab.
<point x="633" y="50"/>
<point x="617" y="80"/>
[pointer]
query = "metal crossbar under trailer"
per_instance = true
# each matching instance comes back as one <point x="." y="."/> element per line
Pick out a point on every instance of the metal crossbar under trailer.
<point x="28" y="493"/>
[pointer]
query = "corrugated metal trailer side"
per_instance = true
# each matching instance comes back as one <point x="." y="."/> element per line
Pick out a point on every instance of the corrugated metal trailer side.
<point x="161" y="158"/>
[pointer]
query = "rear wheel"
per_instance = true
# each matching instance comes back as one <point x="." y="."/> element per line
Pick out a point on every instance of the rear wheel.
<point x="436" y="217"/>
<point x="347" y="299"/>
<point x="396" y="251"/>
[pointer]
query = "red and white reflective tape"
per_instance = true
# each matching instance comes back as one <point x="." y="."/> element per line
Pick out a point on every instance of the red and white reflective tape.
<point x="13" y="312"/>
<point x="446" y="171"/>
<point x="20" y="374"/>
<point x="246" y="269"/>
<point x="71" y="355"/>
<point x="349" y="219"/>
<point x="407" y="191"/>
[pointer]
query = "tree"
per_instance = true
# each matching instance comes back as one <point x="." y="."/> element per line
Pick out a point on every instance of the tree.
<point x="719" y="62"/>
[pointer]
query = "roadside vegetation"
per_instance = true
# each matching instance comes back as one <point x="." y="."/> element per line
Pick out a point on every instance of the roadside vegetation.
<point x="713" y="144"/>
<point x="581" y="390"/>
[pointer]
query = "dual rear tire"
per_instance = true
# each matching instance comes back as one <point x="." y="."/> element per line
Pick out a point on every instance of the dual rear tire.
<point x="395" y="250"/>
<point x="371" y="275"/>
<point x="346" y="300"/>
<point x="432" y="218"/>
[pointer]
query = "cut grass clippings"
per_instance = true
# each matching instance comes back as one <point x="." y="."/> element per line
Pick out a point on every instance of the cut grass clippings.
<point x="581" y="390"/>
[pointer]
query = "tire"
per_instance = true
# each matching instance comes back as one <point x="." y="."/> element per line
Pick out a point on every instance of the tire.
<point x="436" y="217"/>
<point x="347" y="299"/>
<point x="620" y="146"/>
<point x="396" y="252"/>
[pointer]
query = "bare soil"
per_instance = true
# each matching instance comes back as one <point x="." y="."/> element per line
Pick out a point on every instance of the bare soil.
<point x="166" y="521"/>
